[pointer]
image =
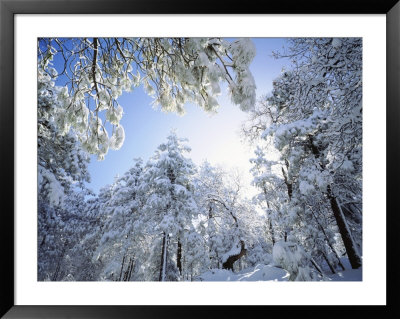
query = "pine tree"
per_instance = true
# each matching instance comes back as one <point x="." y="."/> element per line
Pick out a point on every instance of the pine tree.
<point x="170" y="207"/>
<point x="119" y="246"/>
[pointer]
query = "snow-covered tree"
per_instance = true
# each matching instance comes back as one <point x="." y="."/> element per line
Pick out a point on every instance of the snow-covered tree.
<point x="62" y="169"/>
<point x="97" y="71"/>
<point x="61" y="162"/>
<point x="333" y="127"/>
<point x="119" y="247"/>
<point x="293" y="259"/>
<point x="167" y="220"/>
<point x="228" y="221"/>
<point x="169" y="207"/>
<point x="61" y="232"/>
<point x="314" y="117"/>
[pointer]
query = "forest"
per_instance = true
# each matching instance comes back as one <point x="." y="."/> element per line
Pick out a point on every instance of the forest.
<point x="169" y="219"/>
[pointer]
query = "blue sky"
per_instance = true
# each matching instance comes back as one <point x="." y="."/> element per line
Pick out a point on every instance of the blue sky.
<point x="212" y="137"/>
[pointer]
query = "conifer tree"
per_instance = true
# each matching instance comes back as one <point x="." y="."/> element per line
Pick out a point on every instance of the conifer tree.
<point x="170" y="207"/>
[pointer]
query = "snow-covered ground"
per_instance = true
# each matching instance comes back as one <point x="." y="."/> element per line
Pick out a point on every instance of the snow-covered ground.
<point x="258" y="273"/>
<point x="272" y="273"/>
<point x="347" y="275"/>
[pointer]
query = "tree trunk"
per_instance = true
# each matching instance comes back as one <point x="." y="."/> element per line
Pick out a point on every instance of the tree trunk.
<point x="57" y="271"/>
<point x="329" y="244"/>
<point x="228" y="264"/>
<point x="122" y="267"/>
<point x="179" y="257"/>
<point x="163" y="258"/>
<point x="271" y="228"/>
<point x="289" y="186"/>
<point x="126" y="272"/>
<point x="55" y="275"/>
<point x="328" y="262"/>
<point x="130" y="270"/>
<point x="317" y="267"/>
<point x="348" y="241"/>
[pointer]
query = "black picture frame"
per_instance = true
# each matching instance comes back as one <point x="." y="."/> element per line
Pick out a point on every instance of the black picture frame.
<point x="8" y="8"/>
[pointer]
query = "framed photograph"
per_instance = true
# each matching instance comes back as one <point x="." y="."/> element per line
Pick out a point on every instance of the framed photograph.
<point x="162" y="159"/>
